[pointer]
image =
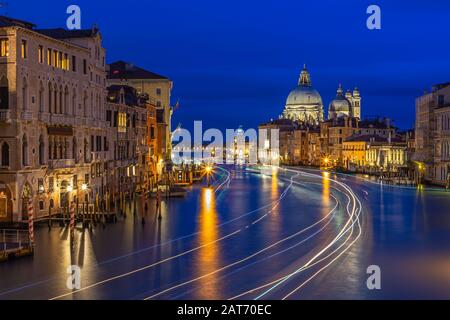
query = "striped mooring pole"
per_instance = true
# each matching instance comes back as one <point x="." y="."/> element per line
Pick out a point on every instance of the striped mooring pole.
<point x="72" y="221"/>
<point x="31" y="222"/>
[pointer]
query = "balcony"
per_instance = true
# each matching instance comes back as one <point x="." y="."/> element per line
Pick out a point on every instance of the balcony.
<point x="44" y="117"/>
<point x="5" y="116"/>
<point x="26" y="116"/>
<point x="61" y="119"/>
<point x="61" y="163"/>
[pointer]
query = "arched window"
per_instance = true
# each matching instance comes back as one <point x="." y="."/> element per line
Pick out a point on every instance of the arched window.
<point x="55" y="99"/>
<point x="66" y="100"/>
<point x="5" y="155"/>
<point x="24" y="151"/>
<point x="65" y="145"/>
<point x="25" y="94"/>
<point x="50" y="104"/>
<point x="41" y="151"/>
<point x="61" y="106"/>
<point x="4" y="93"/>
<point x="85" y="98"/>
<point x="50" y="148"/>
<point x="41" y="97"/>
<point x="86" y="151"/>
<point x="74" y="102"/>
<point x="74" y="150"/>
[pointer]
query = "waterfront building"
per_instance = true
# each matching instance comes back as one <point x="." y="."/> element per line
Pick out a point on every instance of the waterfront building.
<point x="133" y="153"/>
<point x="159" y="90"/>
<point x="374" y="153"/>
<point x="432" y="135"/>
<point x="298" y="142"/>
<point x="53" y="136"/>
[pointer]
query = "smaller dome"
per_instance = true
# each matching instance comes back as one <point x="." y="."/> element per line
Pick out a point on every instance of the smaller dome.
<point x="340" y="106"/>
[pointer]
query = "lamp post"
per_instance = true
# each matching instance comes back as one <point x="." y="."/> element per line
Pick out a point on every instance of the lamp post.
<point x="208" y="171"/>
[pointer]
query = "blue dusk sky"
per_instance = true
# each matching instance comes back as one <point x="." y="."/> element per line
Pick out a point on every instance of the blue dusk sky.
<point x="233" y="62"/>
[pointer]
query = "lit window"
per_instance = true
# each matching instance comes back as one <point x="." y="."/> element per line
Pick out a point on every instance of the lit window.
<point x="4" y="43"/>
<point x="58" y="59"/>
<point x="41" y="54"/>
<point x="122" y="122"/>
<point x="54" y="58"/>
<point x="24" y="49"/>
<point x="49" y="57"/>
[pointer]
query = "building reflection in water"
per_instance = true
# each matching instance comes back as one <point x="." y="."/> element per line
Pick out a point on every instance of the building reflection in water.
<point x="209" y="256"/>
<point x="326" y="191"/>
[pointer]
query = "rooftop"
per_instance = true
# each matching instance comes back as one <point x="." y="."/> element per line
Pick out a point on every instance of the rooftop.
<point x="11" y="22"/>
<point x="60" y="33"/>
<point x="125" y="70"/>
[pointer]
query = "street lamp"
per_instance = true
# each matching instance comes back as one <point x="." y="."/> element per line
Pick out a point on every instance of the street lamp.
<point x="208" y="171"/>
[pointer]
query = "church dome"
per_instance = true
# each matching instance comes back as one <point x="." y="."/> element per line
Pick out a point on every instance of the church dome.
<point x="304" y="102"/>
<point x="303" y="95"/>
<point x="340" y="106"/>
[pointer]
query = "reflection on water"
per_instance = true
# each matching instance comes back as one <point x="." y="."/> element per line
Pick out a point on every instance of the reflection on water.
<point x="208" y="257"/>
<point x="326" y="191"/>
<point x="274" y="188"/>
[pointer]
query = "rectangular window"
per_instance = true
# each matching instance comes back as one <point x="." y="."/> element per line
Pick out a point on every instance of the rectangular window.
<point x="50" y="184"/>
<point x="152" y="132"/>
<point x="41" y="186"/>
<point x="115" y="119"/>
<point x="54" y="58"/>
<point x="108" y="115"/>
<point x="86" y="178"/>
<point x="74" y="63"/>
<point x="49" y="57"/>
<point x="24" y="49"/>
<point x="84" y="66"/>
<point x="41" y="54"/>
<point x="158" y="91"/>
<point x="66" y="62"/>
<point x="4" y="43"/>
<point x="58" y="59"/>
<point x="92" y="144"/>
<point x="75" y="182"/>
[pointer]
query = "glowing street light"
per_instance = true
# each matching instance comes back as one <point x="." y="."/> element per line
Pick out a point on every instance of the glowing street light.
<point x="208" y="171"/>
<point x="84" y="187"/>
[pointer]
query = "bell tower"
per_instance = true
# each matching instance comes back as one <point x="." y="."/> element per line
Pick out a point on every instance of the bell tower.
<point x="356" y="104"/>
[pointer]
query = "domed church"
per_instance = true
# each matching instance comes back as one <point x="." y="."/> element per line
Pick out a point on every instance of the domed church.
<point x="348" y="105"/>
<point x="304" y="103"/>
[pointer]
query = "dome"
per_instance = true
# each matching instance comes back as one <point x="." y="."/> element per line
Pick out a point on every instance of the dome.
<point x="304" y="102"/>
<point x="340" y="106"/>
<point x="303" y="95"/>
